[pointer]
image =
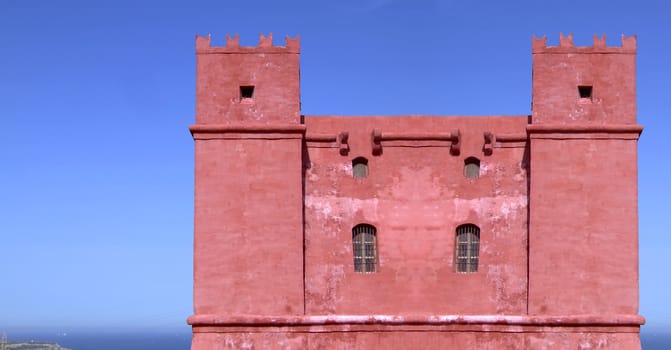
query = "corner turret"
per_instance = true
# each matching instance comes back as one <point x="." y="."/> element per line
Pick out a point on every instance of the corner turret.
<point x="584" y="84"/>
<point x="248" y="180"/>
<point x="251" y="85"/>
<point x="583" y="213"/>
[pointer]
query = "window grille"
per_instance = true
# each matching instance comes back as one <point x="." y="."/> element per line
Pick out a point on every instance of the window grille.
<point x="364" y="244"/>
<point x="468" y="248"/>
<point x="472" y="168"/>
<point x="360" y="167"/>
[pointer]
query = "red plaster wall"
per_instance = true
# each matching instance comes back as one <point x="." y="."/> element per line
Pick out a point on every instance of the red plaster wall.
<point x="417" y="340"/>
<point x="245" y="226"/>
<point x="583" y="241"/>
<point x="415" y="195"/>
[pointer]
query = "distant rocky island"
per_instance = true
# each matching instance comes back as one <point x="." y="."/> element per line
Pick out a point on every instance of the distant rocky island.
<point x="27" y="345"/>
<point x="31" y="346"/>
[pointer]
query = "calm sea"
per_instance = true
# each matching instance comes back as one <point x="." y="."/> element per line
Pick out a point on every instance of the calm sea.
<point x="182" y="341"/>
<point x="654" y="340"/>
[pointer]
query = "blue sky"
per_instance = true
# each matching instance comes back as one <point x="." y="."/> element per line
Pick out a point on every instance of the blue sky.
<point x="96" y="182"/>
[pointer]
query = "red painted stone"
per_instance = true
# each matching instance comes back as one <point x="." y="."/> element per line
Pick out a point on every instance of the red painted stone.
<point x="556" y="204"/>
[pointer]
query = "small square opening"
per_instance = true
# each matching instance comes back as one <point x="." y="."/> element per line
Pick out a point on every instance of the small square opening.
<point x="246" y="91"/>
<point x="585" y="92"/>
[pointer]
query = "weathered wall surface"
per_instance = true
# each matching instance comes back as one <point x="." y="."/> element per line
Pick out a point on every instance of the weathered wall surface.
<point x="416" y="195"/>
<point x="389" y="339"/>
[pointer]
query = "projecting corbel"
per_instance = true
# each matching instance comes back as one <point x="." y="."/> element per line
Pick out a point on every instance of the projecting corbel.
<point x="455" y="148"/>
<point x="491" y="140"/>
<point x="488" y="147"/>
<point x="342" y="140"/>
<point x="376" y="142"/>
<point x="377" y="137"/>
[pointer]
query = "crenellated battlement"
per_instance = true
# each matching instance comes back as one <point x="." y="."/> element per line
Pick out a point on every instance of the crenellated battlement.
<point x="539" y="45"/>
<point x="204" y="45"/>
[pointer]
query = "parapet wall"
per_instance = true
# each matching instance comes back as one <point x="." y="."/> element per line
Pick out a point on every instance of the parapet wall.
<point x="204" y="45"/>
<point x="539" y="45"/>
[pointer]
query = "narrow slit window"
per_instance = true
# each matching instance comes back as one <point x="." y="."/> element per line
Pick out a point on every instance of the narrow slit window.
<point x="585" y="92"/>
<point x="472" y="168"/>
<point x="364" y="244"/>
<point x="360" y="167"/>
<point x="246" y="92"/>
<point x="467" y="252"/>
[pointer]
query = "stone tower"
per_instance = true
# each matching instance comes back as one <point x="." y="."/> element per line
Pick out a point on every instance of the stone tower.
<point x="248" y="192"/>
<point x="583" y="223"/>
<point x="415" y="232"/>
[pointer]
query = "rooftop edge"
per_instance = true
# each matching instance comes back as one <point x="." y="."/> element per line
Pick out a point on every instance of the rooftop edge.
<point x="204" y="45"/>
<point x="539" y="45"/>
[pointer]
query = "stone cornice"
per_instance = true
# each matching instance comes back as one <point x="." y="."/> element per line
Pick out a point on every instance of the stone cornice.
<point x="510" y="320"/>
<point x="215" y="131"/>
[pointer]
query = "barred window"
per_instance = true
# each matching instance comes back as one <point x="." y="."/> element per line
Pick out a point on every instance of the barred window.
<point x="472" y="167"/>
<point x="364" y="244"/>
<point x="468" y="248"/>
<point x="360" y="167"/>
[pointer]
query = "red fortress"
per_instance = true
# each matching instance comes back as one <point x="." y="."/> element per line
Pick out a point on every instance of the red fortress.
<point x="416" y="232"/>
